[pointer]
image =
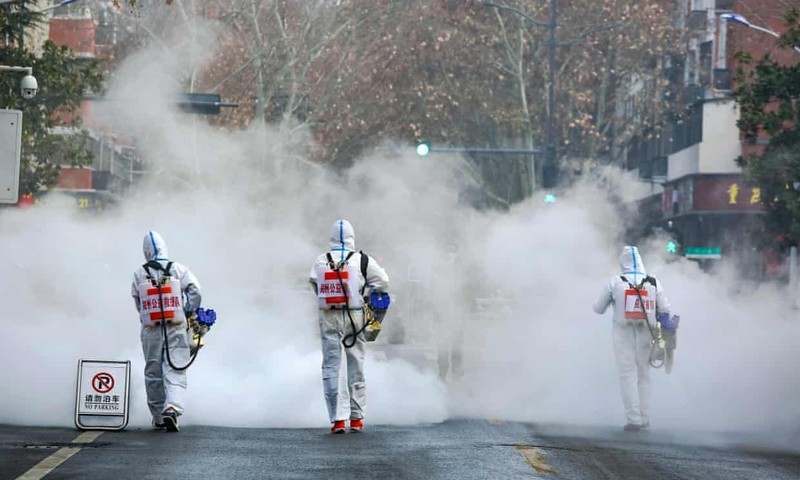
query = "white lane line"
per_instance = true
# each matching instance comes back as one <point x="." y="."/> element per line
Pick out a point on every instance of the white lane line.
<point x="62" y="455"/>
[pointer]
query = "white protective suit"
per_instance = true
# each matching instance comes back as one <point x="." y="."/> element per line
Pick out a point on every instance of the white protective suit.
<point x="631" y="338"/>
<point x="164" y="385"/>
<point x="335" y="324"/>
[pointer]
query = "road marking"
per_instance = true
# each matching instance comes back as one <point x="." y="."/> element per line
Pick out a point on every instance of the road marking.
<point x="87" y="437"/>
<point x="535" y="458"/>
<point x="62" y="455"/>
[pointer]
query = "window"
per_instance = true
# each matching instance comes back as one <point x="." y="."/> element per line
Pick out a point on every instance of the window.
<point x="704" y="66"/>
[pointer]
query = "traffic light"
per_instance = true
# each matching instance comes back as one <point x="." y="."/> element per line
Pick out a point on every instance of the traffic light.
<point x="423" y="149"/>
<point x="549" y="198"/>
<point x="199" y="103"/>
<point x="549" y="169"/>
<point x="672" y="246"/>
<point x="549" y="155"/>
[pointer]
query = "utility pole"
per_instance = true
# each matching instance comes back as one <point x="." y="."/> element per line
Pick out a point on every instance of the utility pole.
<point x="550" y="155"/>
<point x="550" y="144"/>
<point x="550" y="152"/>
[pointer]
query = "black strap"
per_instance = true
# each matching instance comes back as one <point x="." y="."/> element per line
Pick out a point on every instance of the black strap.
<point x="648" y="279"/>
<point x="156" y="266"/>
<point x="333" y="265"/>
<point x="652" y="281"/>
<point x="337" y="268"/>
<point x="364" y="263"/>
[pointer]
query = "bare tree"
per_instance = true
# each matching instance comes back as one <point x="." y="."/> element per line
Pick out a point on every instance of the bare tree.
<point x="352" y="73"/>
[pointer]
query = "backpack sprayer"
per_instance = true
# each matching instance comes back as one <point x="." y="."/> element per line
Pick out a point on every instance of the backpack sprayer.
<point x="198" y="323"/>
<point x="376" y="304"/>
<point x="374" y="311"/>
<point x="663" y="335"/>
<point x="374" y="307"/>
<point x="669" y="330"/>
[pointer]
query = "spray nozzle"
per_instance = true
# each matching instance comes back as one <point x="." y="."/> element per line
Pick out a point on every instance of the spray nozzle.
<point x="668" y="322"/>
<point x="206" y="317"/>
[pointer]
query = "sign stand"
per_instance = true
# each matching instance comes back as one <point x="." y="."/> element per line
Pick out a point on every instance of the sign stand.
<point x="102" y="395"/>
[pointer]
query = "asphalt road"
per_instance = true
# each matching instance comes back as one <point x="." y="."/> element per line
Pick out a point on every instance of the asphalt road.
<point x="456" y="449"/>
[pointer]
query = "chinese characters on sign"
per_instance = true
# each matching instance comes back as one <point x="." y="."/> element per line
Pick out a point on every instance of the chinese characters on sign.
<point x="84" y="200"/>
<point x="155" y="303"/>
<point x="711" y="193"/>
<point x="755" y="196"/>
<point x="733" y="194"/>
<point x="101" y="402"/>
<point x="330" y="288"/>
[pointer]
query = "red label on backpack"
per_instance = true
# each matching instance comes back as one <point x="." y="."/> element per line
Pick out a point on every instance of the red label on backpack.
<point x="330" y="288"/>
<point x="633" y="306"/>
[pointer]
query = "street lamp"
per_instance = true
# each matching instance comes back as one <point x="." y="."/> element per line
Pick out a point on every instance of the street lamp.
<point x="59" y="4"/>
<point x="736" y="18"/>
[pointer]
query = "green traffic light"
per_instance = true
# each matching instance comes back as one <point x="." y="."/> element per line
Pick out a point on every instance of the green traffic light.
<point x="672" y="247"/>
<point x="549" y="198"/>
<point x="423" y="149"/>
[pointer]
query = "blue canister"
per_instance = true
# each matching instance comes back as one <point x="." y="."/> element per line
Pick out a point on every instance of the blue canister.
<point x="669" y="322"/>
<point x="379" y="300"/>
<point x="206" y="316"/>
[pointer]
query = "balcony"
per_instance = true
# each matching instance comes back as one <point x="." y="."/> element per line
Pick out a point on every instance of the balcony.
<point x="653" y="168"/>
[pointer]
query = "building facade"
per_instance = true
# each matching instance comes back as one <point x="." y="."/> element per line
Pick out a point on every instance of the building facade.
<point x="707" y="205"/>
<point x="88" y="29"/>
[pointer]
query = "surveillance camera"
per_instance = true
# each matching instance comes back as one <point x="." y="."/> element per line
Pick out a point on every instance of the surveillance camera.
<point x="28" y="86"/>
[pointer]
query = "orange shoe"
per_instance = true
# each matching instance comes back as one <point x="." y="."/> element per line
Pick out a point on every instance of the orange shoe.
<point x="356" y="424"/>
<point x="338" y="427"/>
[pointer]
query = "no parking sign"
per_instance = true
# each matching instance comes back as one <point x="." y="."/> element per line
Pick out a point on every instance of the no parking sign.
<point x="103" y="394"/>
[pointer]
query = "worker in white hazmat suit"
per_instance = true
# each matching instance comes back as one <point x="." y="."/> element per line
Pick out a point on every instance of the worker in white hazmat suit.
<point x="339" y="284"/>
<point x="632" y="337"/>
<point x="164" y="291"/>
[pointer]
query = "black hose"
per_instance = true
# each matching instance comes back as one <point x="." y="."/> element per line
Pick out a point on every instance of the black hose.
<point x="355" y="333"/>
<point x="649" y="327"/>
<point x="166" y="338"/>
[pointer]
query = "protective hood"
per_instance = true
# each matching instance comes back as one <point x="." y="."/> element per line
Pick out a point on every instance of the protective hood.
<point x="154" y="247"/>
<point x="343" y="238"/>
<point x="631" y="263"/>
